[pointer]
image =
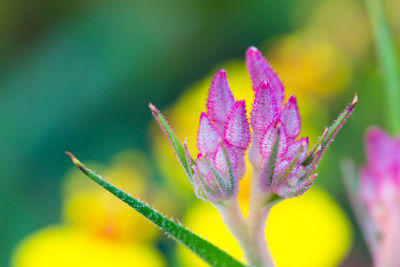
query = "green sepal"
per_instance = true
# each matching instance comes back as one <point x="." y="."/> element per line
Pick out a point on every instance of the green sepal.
<point x="174" y="141"/>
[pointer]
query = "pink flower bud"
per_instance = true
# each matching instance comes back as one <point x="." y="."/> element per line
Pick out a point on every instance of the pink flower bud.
<point x="285" y="167"/>
<point x="207" y="136"/>
<point x="290" y="117"/>
<point x="265" y="109"/>
<point x="220" y="164"/>
<point x="220" y="100"/>
<point x="237" y="131"/>
<point x="260" y="71"/>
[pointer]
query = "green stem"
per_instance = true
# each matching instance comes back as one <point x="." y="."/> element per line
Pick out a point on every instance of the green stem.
<point x="236" y="223"/>
<point x="258" y="214"/>
<point x="388" y="60"/>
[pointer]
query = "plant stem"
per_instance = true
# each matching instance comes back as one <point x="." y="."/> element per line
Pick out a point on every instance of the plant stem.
<point x="388" y="60"/>
<point x="258" y="213"/>
<point x="236" y="223"/>
<point x="250" y="236"/>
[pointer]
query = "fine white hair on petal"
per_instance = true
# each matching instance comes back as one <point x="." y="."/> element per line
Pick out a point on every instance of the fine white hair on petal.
<point x="265" y="109"/>
<point x="207" y="136"/>
<point x="260" y="71"/>
<point x="237" y="130"/>
<point x="290" y="118"/>
<point x="220" y="100"/>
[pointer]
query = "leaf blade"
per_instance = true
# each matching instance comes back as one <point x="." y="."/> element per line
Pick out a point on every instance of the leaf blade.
<point x="204" y="249"/>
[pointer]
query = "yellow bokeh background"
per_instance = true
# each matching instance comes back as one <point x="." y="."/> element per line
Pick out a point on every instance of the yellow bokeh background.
<point x="98" y="229"/>
<point x="65" y="246"/>
<point x="309" y="231"/>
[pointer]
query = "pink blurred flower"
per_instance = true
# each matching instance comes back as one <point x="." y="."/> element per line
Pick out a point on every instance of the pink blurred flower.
<point x="379" y="192"/>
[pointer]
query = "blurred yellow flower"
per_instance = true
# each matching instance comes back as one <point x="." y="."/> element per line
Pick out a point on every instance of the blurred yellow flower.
<point x="89" y="207"/>
<point x="68" y="246"/>
<point x="344" y="23"/>
<point x="309" y="65"/>
<point x="98" y="229"/>
<point x="310" y="231"/>
<point x="392" y="8"/>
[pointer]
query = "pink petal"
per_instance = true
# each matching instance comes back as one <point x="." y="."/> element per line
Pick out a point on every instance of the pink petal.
<point x="220" y="162"/>
<point x="268" y="141"/>
<point x="293" y="149"/>
<point x="368" y="187"/>
<point x="285" y="191"/>
<point x="260" y="71"/>
<point x="220" y="99"/>
<point x="240" y="165"/>
<point x="380" y="150"/>
<point x="202" y="166"/>
<point x="290" y="118"/>
<point x="286" y="174"/>
<point x="265" y="109"/>
<point x="237" y="131"/>
<point x="207" y="136"/>
<point x="282" y="165"/>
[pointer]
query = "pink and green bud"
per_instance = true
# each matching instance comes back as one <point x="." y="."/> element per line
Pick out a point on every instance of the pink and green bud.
<point x="278" y="155"/>
<point x="220" y="100"/>
<point x="283" y="161"/>
<point x="222" y="139"/>
<point x="290" y="117"/>
<point x="261" y="72"/>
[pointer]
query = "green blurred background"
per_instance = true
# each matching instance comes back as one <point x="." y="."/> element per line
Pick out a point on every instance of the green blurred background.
<point x="78" y="75"/>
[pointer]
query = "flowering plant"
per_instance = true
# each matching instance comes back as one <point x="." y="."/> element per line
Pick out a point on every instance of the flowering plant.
<point x="283" y="165"/>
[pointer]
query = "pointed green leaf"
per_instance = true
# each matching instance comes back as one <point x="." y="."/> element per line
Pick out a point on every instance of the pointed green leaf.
<point x="338" y="123"/>
<point x="330" y="133"/>
<point x="204" y="249"/>
<point x="175" y="143"/>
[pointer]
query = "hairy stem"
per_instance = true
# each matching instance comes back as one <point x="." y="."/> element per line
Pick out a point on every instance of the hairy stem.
<point x="236" y="223"/>
<point x="258" y="213"/>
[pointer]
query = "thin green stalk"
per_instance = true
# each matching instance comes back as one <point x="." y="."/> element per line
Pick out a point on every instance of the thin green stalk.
<point x="388" y="60"/>
<point x="258" y="214"/>
<point x="236" y="223"/>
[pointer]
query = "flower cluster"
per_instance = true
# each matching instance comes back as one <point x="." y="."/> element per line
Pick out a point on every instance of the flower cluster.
<point x="281" y="160"/>
<point x="275" y="152"/>
<point x="223" y="138"/>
